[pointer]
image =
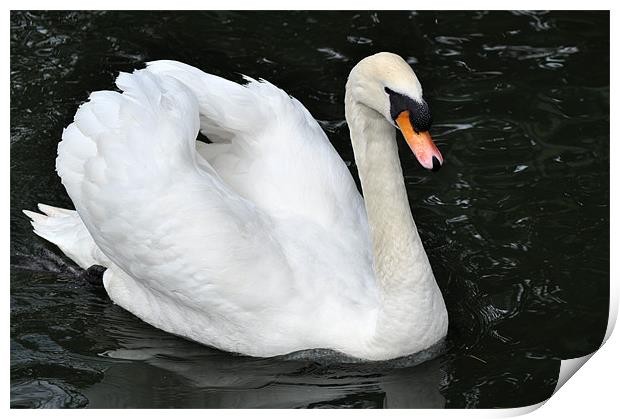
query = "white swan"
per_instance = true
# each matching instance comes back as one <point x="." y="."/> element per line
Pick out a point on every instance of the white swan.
<point x="258" y="243"/>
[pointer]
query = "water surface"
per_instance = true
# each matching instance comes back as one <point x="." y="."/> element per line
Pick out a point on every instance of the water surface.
<point x="516" y="224"/>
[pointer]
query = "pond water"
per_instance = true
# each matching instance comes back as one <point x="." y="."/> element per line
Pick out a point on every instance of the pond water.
<point x="516" y="224"/>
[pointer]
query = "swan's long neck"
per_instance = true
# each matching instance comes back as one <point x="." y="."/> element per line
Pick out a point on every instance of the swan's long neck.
<point x="412" y="305"/>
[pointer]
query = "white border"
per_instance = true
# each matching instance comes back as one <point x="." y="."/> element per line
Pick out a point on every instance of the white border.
<point x="593" y="392"/>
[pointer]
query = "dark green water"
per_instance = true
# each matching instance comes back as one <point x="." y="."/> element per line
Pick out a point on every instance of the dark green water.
<point x="516" y="224"/>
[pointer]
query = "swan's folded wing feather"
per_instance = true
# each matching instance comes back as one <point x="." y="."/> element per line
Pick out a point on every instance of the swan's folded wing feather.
<point x="159" y="211"/>
<point x="278" y="156"/>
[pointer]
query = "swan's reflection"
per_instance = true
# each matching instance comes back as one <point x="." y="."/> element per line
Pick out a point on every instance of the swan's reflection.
<point x="154" y="369"/>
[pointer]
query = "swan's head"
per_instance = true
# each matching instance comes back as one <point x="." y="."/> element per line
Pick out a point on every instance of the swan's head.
<point x="385" y="83"/>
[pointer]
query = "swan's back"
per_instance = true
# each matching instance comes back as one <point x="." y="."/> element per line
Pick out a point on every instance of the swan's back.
<point x="270" y="149"/>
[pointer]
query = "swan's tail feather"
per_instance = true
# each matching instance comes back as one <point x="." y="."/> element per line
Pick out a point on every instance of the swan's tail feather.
<point x="54" y="211"/>
<point x="65" y="229"/>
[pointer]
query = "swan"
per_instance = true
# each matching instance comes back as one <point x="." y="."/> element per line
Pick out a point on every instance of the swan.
<point x="259" y="242"/>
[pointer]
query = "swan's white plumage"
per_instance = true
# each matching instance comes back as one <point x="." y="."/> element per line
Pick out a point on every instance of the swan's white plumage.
<point x="278" y="157"/>
<point x="258" y="243"/>
<point x="66" y="229"/>
<point x="187" y="243"/>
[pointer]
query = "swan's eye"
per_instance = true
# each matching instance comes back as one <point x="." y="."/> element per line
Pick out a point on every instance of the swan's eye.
<point x="419" y="112"/>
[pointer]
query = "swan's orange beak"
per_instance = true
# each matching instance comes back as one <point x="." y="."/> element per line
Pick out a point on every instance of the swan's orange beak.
<point x="420" y="143"/>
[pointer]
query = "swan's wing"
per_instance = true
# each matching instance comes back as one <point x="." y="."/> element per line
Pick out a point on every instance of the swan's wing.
<point x="158" y="210"/>
<point x="270" y="149"/>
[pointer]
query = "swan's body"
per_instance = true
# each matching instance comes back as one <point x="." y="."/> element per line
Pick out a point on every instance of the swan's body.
<point x="258" y="243"/>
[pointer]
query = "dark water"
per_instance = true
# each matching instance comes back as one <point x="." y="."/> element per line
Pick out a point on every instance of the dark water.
<point x="516" y="224"/>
